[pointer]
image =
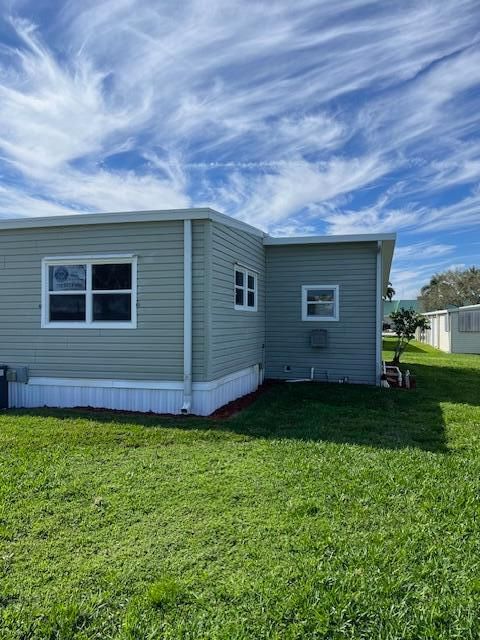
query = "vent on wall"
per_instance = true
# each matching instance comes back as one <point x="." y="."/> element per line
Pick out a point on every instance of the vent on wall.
<point x="318" y="338"/>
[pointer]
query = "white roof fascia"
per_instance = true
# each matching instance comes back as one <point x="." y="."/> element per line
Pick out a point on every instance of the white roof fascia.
<point x="469" y="306"/>
<point x="128" y="216"/>
<point x="360" y="237"/>
<point x="436" y="313"/>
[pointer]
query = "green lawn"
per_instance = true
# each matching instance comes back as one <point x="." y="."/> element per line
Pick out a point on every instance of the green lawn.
<point x="322" y="511"/>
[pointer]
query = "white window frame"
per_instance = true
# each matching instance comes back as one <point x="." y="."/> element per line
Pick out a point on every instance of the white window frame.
<point x="336" y="303"/>
<point x="88" y="260"/>
<point x="246" y="272"/>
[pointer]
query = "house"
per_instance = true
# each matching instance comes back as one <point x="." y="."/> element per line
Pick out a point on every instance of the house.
<point x="182" y="310"/>
<point x="453" y="330"/>
<point x="389" y="306"/>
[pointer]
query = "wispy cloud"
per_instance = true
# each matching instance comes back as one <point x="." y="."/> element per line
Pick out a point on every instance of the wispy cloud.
<point x="270" y="198"/>
<point x="305" y="117"/>
<point x="424" y="249"/>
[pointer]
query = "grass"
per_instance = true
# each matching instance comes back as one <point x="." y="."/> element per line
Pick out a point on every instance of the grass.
<point x="322" y="511"/>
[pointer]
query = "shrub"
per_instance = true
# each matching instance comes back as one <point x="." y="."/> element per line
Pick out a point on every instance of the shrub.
<point x="405" y="324"/>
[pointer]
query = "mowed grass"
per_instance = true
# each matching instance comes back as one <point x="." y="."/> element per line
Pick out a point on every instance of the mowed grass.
<point x="322" y="511"/>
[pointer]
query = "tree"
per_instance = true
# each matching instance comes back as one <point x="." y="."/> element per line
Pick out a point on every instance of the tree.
<point x="451" y="288"/>
<point x="405" y="323"/>
<point x="390" y="292"/>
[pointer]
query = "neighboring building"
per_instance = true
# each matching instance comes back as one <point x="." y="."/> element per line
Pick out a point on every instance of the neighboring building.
<point x="389" y="306"/>
<point x="183" y="310"/>
<point x="453" y="330"/>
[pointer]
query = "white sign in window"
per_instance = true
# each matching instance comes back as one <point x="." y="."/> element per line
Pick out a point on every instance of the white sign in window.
<point x="320" y="302"/>
<point x="245" y="294"/>
<point x="89" y="293"/>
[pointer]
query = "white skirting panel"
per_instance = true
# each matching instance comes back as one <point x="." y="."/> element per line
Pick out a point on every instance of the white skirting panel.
<point x="132" y="395"/>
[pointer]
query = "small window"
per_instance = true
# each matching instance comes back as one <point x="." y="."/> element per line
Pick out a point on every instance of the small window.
<point x="89" y="293"/>
<point x="245" y="289"/>
<point x="320" y="302"/>
<point x="447" y="323"/>
<point x="469" y="320"/>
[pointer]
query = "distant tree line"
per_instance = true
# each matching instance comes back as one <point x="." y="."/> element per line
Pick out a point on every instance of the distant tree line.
<point x="452" y="288"/>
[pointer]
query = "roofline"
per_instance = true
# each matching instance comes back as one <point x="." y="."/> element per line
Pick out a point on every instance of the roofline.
<point x="359" y="237"/>
<point x="467" y="306"/>
<point x="161" y="215"/>
<point x="385" y="243"/>
<point x="434" y="313"/>
<point x="455" y="310"/>
<point x="195" y="213"/>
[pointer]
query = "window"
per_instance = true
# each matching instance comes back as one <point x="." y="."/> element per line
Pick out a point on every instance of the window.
<point x="320" y="302"/>
<point x="447" y="323"/>
<point x="245" y="295"/>
<point x="469" y="321"/>
<point x="94" y="292"/>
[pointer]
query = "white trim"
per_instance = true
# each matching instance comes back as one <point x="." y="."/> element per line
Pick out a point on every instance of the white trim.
<point x="187" y="316"/>
<point x="378" y="313"/>
<point x="246" y="289"/>
<point x="468" y="307"/>
<point x="104" y="257"/>
<point x="440" y="312"/>
<point x="336" y="302"/>
<point x="105" y="383"/>
<point x="359" y="237"/>
<point x="88" y="260"/>
<point x="110" y="383"/>
<point x="158" y="396"/>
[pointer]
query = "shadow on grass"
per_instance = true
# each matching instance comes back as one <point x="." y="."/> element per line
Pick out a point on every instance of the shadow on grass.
<point x="350" y="414"/>
<point x="387" y="418"/>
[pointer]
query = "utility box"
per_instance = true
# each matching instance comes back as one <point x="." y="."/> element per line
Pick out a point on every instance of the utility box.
<point x="318" y="338"/>
<point x="3" y="387"/>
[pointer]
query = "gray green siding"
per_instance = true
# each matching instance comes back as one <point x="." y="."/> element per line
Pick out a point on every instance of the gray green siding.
<point x="236" y="338"/>
<point x="153" y="351"/>
<point x="224" y="340"/>
<point x="350" y="347"/>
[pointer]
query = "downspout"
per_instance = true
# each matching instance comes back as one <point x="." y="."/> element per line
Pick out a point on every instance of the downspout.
<point x="379" y="314"/>
<point x="187" y="317"/>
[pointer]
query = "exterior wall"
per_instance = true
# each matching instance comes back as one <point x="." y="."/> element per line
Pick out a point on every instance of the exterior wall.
<point x="424" y="336"/>
<point x="436" y="336"/>
<point x="351" y="341"/>
<point x="454" y="341"/>
<point x="152" y="351"/>
<point x="235" y="339"/>
<point x="131" y="395"/>
<point x="443" y="336"/>
<point x="142" y="369"/>
<point x="463" y="341"/>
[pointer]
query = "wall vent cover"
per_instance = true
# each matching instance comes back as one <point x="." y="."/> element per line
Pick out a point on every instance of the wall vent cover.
<point x="318" y="338"/>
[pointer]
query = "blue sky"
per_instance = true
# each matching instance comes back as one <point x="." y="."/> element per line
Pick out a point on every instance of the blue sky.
<point x="299" y="117"/>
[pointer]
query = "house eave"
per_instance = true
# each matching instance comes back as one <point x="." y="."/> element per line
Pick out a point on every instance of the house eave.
<point x="122" y="217"/>
<point x="359" y="237"/>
